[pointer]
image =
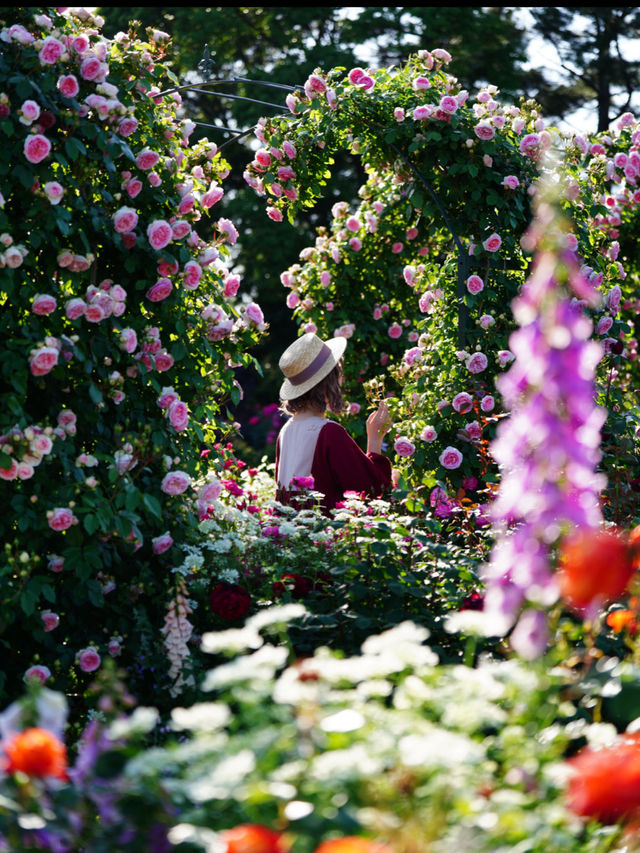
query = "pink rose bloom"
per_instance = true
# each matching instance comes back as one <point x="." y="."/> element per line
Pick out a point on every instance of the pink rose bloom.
<point x="231" y="285"/>
<point x="25" y="470"/>
<point x="39" y="672"/>
<point x="180" y="228"/>
<point x="128" y="340"/>
<point x="492" y="243"/>
<point x="428" y="434"/>
<point x="53" y="191"/>
<point x="133" y="187"/>
<point x="511" y="182"/>
<point x="175" y="483"/>
<point x="29" y="111"/>
<point x="486" y="320"/>
<point x="9" y="473"/>
<point x="571" y="242"/>
<point x="484" y="130"/>
<point x="114" y="648"/>
<point x="128" y="126"/>
<point x="403" y="446"/>
<point x="355" y="243"/>
<point x="397" y="248"/>
<point x="50" y="620"/>
<point x="160" y="290"/>
<point x="88" y="659"/>
<point x="394" y="330"/>
<point x="398" y="114"/>
<point x="178" y="415"/>
<point x="612" y="299"/>
<point x="475" y="284"/>
<point x="160" y="544"/>
<point x="422" y="112"/>
<point x="227" y="227"/>
<point x="212" y="195"/>
<point x="43" y="303"/>
<point x="477" y="362"/>
<point x="462" y="402"/>
<point x="604" y="324"/>
<point x="55" y="563"/>
<point x="167" y="397"/>
<point x="43" y="361"/>
<point x="289" y="149"/>
<point x="355" y="74"/>
<point x="293" y="299"/>
<point x="94" y="312"/>
<point x="211" y="491"/>
<point x="192" y="274"/>
<point x="449" y="104"/>
<point x="263" y="158"/>
<point x="420" y="83"/>
<point x="413" y="355"/>
<point x="474" y="430"/>
<point x="61" y="518"/>
<point x="147" y="159"/>
<point x="274" y="213"/>
<point x="36" y="148"/>
<point x="409" y="275"/>
<point x="125" y="219"/>
<point x="353" y="223"/>
<point x="450" y="458"/>
<point x="354" y="408"/>
<point x="51" y="51"/>
<point x="159" y="234"/>
<point x="254" y="313"/>
<point x="325" y="278"/>
<point x="91" y="68"/>
<point x="487" y="403"/>
<point x="505" y="356"/>
<point x="529" y="143"/>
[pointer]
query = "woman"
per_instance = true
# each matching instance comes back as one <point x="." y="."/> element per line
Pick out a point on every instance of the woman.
<point x="309" y="445"/>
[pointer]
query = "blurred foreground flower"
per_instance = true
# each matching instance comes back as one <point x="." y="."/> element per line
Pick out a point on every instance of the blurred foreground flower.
<point x="605" y="783"/>
<point x="253" y="838"/>
<point x="36" y="752"/>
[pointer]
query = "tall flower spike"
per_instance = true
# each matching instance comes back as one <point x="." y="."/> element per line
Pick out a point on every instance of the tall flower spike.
<point x="548" y="448"/>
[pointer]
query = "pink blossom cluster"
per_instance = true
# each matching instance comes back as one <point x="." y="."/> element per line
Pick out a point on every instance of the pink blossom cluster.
<point x="26" y="449"/>
<point x="152" y="354"/>
<point x="175" y="410"/>
<point x="99" y="303"/>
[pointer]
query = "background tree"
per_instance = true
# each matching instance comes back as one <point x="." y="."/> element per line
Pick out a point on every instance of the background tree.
<point x="599" y="65"/>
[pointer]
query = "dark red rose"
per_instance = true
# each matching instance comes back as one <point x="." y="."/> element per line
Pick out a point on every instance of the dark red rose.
<point x="229" y="601"/>
<point x="297" y="585"/>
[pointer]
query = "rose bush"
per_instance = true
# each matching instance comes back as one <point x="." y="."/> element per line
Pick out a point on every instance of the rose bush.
<point x="119" y="342"/>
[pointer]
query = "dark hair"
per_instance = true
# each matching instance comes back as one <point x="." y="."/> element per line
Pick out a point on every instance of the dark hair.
<point x="327" y="394"/>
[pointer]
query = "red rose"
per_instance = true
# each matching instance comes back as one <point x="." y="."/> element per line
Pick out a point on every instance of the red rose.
<point x="297" y="585"/>
<point x="229" y="601"/>
<point x="595" y="567"/>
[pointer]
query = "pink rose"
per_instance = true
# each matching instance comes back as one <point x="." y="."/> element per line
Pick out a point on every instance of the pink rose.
<point x="274" y="213"/>
<point x="477" y="362"/>
<point x="128" y="126"/>
<point x="43" y="304"/>
<point x="29" y="111"/>
<point x="404" y="447"/>
<point x="55" y="563"/>
<point x="125" y="219"/>
<point x="474" y="430"/>
<point x="51" y="51"/>
<point x="355" y="74"/>
<point x="167" y="397"/>
<point x="147" y="159"/>
<point x="449" y="104"/>
<point x="450" y="458"/>
<point x="227" y="227"/>
<point x="43" y="361"/>
<point x="160" y="290"/>
<point x="163" y="361"/>
<point x="413" y="355"/>
<point x="159" y="234"/>
<point x="88" y="659"/>
<point x="114" y="647"/>
<point x="529" y="143"/>
<point x="505" y="356"/>
<point x="462" y="402"/>
<point x="39" y="672"/>
<point x="487" y="403"/>
<point x="133" y="188"/>
<point x="175" y="483"/>
<point x="486" y="320"/>
<point x="475" y="284"/>
<point x="180" y="228"/>
<point x="394" y="330"/>
<point x="91" y="68"/>
<point x="211" y="491"/>
<point x="604" y="324"/>
<point x="53" y="191"/>
<point x="178" y="415"/>
<point x="254" y="313"/>
<point x="428" y="434"/>
<point x="50" y="620"/>
<point x="128" y="340"/>
<point x="231" y="285"/>
<point x="61" y="518"/>
<point x="212" y="195"/>
<point x="36" y="148"/>
<point x="510" y="182"/>
<point x="492" y="243"/>
<point x="161" y="543"/>
<point x="484" y="130"/>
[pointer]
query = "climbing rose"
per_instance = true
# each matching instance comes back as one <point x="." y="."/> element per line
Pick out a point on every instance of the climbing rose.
<point x="125" y="219"/>
<point x="43" y="361"/>
<point x="160" y="290"/>
<point x="43" y="304"/>
<point x="230" y="601"/>
<point x="175" y="483"/>
<point x="159" y="234"/>
<point x="36" y="148"/>
<point x="88" y="659"/>
<point x="476" y="363"/>
<point x="61" y="518"/>
<point x="492" y="243"/>
<point x="475" y="284"/>
<point x="403" y="446"/>
<point x="68" y="86"/>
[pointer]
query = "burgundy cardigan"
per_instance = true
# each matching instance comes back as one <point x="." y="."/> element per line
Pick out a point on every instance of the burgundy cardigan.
<point x="339" y="466"/>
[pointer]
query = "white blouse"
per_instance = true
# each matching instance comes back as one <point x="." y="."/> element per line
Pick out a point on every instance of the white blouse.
<point x="297" y="440"/>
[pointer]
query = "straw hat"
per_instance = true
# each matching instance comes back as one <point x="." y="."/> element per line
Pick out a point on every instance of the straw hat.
<point x="307" y="361"/>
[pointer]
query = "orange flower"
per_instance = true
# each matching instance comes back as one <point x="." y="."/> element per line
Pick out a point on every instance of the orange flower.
<point x="595" y="567"/>
<point x="618" y="620"/>
<point x="352" y="844"/>
<point x="253" y="838"/>
<point x="36" y="752"/>
<point x="605" y="783"/>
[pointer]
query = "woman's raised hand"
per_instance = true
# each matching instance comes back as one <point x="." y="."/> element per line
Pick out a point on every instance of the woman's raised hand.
<point x="378" y="425"/>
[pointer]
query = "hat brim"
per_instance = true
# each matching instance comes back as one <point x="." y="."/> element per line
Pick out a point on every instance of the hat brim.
<point x="337" y="345"/>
